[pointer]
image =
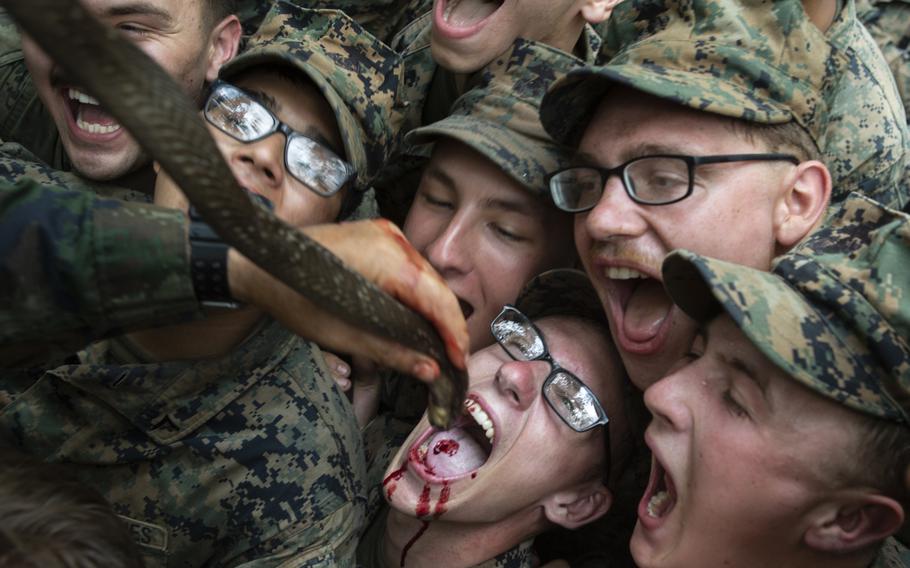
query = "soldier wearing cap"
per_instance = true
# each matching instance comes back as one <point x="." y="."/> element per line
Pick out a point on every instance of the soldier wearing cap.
<point x="225" y="442"/>
<point x="794" y="398"/>
<point x="701" y="136"/>
<point x="515" y="435"/>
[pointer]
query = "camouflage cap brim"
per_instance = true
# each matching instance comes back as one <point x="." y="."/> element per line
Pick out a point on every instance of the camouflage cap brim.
<point x="760" y="61"/>
<point x="561" y="292"/>
<point x="347" y="125"/>
<point x="526" y="160"/>
<point x="498" y="116"/>
<point x="798" y="328"/>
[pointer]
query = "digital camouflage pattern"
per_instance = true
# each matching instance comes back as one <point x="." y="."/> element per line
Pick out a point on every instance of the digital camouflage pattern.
<point x="77" y="267"/>
<point x="888" y="21"/>
<point x="498" y="116"/>
<point x="761" y="61"/>
<point x="357" y="74"/>
<point x="892" y="555"/>
<point x="23" y="118"/>
<point x="833" y="313"/>
<point x="866" y="144"/>
<point x="251" y="459"/>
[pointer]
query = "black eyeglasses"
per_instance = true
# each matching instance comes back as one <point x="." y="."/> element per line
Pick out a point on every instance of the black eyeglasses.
<point x="241" y="116"/>
<point x="567" y="395"/>
<point x="659" y="179"/>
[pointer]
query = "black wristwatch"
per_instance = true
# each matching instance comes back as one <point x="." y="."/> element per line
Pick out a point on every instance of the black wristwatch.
<point x="208" y="261"/>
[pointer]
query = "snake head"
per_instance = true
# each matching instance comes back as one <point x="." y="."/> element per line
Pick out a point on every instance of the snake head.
<point x="447" y="394"/>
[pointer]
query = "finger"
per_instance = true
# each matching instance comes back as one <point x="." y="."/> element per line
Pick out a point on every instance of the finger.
<point x="343" y="384"/>
<point x="337" y="365"/>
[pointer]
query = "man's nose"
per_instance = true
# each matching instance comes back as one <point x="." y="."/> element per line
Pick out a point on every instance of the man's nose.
<point x="615" y="214"/>
<point x="667" y="401"/>
<point x="448" y="252"/>
<point x="520" y="381"/>
<point x="264" y="160"/>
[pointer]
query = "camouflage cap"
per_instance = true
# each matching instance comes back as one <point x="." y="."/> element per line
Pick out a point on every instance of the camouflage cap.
<point x="834" y="313"/>
<point x="561" y="292"/>
<point x="356" y="73"/>
<point x="758" y="60"/>
<point x="499" y="115"/>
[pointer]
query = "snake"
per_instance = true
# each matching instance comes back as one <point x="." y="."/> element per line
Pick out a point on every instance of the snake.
<point x="158" y="114"/>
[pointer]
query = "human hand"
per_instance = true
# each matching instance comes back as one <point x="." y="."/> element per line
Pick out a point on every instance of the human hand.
<point x="379" y="251"/>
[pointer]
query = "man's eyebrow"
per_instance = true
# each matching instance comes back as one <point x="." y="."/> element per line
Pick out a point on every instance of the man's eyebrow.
<point x="268" y="100"/>
<point x="507" y="205"/>
<point x="139" y="8"/>
<point x="629" y="153"/>
<point x="440" y="175"/>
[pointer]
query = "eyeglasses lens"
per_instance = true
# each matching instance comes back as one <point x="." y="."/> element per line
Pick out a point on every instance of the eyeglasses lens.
<point x="517" y="336"/>
<point x="572" y="400"/>
<point x="576" y="189"/>
<point x="658" y="179"/>
<point x="238" y="115"/>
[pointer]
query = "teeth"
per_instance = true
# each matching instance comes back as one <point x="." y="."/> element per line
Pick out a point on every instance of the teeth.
<point x="481" y="417"/>
<point x="96" y="128"/>
<point x="657" y="502"/>
<point x="623" y="273"/>
<point x="78" y="95"/>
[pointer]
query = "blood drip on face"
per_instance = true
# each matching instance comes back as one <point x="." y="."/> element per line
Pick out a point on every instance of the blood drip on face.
<point x="423" y="503"/>
<point x="390" y="482"/>
<point x="443" y="499"/>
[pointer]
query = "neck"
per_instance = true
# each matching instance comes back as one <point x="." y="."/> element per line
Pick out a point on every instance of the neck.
<point x="214" y="336"/>
<point x="413" y="543"/>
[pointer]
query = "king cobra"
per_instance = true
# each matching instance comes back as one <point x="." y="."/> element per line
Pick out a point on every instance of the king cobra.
<point x="151" y="106"/>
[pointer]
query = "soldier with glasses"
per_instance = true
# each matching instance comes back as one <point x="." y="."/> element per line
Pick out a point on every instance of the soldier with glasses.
<point x="527" y="455"/>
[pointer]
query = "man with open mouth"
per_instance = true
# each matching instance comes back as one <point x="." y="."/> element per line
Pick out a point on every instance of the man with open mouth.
<point x="527" y="453"/>
<point x="189" y="39"/>
<point x="692" y="137"/>
<point x="782" y="438"/>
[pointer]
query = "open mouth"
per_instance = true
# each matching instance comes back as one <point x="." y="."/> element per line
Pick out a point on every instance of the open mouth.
<point x="466" y="308"/>
<point x="660" y="496"/>
<point x="461" y="18"/>
<point x="87" y="114"/>
<point x="446" y="455"/>
<point x="641" y="310"/>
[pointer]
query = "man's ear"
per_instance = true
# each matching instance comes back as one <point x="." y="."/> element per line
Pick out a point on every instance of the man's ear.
<point x="223" y="44"/>
<point x="852" y="522"/>
<point x="802" y="205"/>
<point x="579" y="505"/>
<point x="597" y="11"/>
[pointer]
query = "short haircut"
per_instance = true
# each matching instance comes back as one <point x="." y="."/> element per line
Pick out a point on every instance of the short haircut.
<point x="884" y="458"/>
<point x="787" y="137"/>
<point x="50" y="520"/>
<point x="217" y="10"/>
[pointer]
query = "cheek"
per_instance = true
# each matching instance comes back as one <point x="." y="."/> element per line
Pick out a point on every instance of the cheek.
<point x="301" y="207"/>
<point x="422" y="227"/>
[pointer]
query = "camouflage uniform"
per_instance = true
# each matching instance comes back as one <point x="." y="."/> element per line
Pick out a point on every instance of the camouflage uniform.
<point x="77" y="267"/>
<point x="889" y="23"/>
<point x="23" y="117"/>
<point x="752" y="62"/>
<point x="833" y="314"/>
<point x="253" y="458"/>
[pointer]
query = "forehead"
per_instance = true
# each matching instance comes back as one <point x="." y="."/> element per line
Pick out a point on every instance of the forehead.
<point x="628" y="122"/>
<point x="470" y="173"/>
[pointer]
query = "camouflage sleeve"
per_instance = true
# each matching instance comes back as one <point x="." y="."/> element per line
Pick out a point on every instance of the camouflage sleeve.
<point x="23" y="117"/>
<point x="75" y="267"/>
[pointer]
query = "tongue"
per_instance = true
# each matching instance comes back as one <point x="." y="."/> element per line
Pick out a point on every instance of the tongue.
<point x="468" y="12"/>
<point x="93" y="114"/>
<point x="646" y="310"/>
<point x="454" y="452"/>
